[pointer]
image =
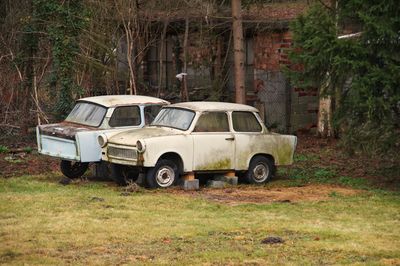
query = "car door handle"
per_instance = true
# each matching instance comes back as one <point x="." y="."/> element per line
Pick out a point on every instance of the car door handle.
<point x="230" y="138"/>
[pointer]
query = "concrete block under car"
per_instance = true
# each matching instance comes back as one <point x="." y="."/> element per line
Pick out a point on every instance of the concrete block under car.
<point x="231" y="180"/>
<point x="192" y="184"/>
<point x="216" y="184"/>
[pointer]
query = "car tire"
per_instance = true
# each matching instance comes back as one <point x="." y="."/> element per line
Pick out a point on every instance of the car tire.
<point x="73" y="169"/>
<point x="260" y="170"/>
<point x="163" y="175"/>
<point x="122" y="174"/>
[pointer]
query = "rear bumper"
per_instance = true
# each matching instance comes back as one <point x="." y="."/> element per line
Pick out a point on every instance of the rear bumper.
<point x="57" y="147"/>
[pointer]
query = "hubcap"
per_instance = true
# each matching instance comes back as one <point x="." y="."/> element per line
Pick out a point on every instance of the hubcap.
<point x="165" y="176"/>
<point x="260" y="173"/>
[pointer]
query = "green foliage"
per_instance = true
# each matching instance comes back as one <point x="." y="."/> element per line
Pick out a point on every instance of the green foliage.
<point x="353" y="182"/>
<point x="324" y="173"/>
<point x="3" y="149"/>
<point x="362" y="73"/>
<point x="305" y="157"/>
<point x="314" y="39"/>
<point x="320" y="175"/>
<point x="63" y="22"/>
<point x="28" y="149"/>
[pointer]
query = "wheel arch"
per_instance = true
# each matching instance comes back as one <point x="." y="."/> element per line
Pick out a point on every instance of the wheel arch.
<point x="175" y="157"/>
<point x="266" y="155"/>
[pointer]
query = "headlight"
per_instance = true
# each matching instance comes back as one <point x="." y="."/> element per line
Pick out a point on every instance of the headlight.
<point x="102" y="140"/>
<point x="140" y="146"/>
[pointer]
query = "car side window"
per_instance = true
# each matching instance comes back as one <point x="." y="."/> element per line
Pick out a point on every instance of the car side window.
<point x="212" y="122"/>
<point x="150" y="112"/>
<point x="245" y="122"/>
<point x="124" y="116"/>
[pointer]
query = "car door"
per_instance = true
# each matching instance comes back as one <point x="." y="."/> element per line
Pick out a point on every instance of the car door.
<point x="213" y="143"/>
<point x="248" y="139"/>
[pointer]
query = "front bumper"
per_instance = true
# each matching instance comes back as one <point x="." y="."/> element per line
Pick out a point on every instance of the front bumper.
<point x="121" y="154"/>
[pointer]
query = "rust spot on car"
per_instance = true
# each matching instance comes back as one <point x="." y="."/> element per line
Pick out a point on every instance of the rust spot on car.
<point x="140" y="159"/>
<point x="65" y="130"/>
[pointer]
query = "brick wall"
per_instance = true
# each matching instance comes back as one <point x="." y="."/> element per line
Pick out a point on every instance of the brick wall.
<point x="270" y="50"/>
<point x="270" y="54"/>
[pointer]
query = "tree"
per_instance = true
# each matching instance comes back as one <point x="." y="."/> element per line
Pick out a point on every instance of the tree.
<point x="362" y="73"/>
<point x="238" y="51"/>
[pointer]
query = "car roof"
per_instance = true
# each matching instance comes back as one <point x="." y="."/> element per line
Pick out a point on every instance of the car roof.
<point x="115" y="100"/>
<point x="214" y="106"/>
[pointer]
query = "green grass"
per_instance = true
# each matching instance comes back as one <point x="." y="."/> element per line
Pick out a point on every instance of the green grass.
<point x="43" y="222"/>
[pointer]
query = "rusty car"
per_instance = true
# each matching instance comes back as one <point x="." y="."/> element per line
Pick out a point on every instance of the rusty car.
<point x="74" y="140"/>
<point x="199" y="137"/>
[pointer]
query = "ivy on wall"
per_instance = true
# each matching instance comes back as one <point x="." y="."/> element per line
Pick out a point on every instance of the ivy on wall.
<point x="63" y="22"/>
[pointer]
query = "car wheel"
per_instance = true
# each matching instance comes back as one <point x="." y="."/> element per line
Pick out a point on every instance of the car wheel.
<point x="260" y="170"/>
<point x="73" y="169"/>
<point x="122" y="174"/>
<point x="164" y="174"/>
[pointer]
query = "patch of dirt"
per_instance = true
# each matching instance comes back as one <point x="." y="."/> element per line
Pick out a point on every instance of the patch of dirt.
<point x="22" y="163"/>
<point x="251" y="194"/>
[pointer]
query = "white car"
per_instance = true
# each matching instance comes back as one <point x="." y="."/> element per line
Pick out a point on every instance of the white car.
<point x="74" y="140"/>
<point x="199" y="137"/>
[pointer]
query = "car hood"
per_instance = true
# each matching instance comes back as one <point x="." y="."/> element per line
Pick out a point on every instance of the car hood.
<point x="64" y="129"/>
<point x="130" y="137"/>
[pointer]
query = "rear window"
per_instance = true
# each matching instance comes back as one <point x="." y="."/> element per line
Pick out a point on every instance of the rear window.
<point x="124" y="116"/>
<point x="88" y="114"/>
<point x="245" y="122"/>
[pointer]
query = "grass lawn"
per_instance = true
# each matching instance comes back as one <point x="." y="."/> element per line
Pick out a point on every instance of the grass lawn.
<point x="43" y="222"/>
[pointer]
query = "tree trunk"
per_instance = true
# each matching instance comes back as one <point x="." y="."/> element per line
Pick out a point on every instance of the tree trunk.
<point x="185" y="94"/>
<point x="35" y="90"/>
<point x="129" y="55"/>
<point x="325" y="117"/>
<point x="161" y="55"/>
<point x="238" y="50"/>
<point x="325" y="108"/>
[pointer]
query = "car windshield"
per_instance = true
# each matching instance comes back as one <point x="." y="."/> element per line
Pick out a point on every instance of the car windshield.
<point x="174" y="117"/>
<point x="88" y="114"/>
